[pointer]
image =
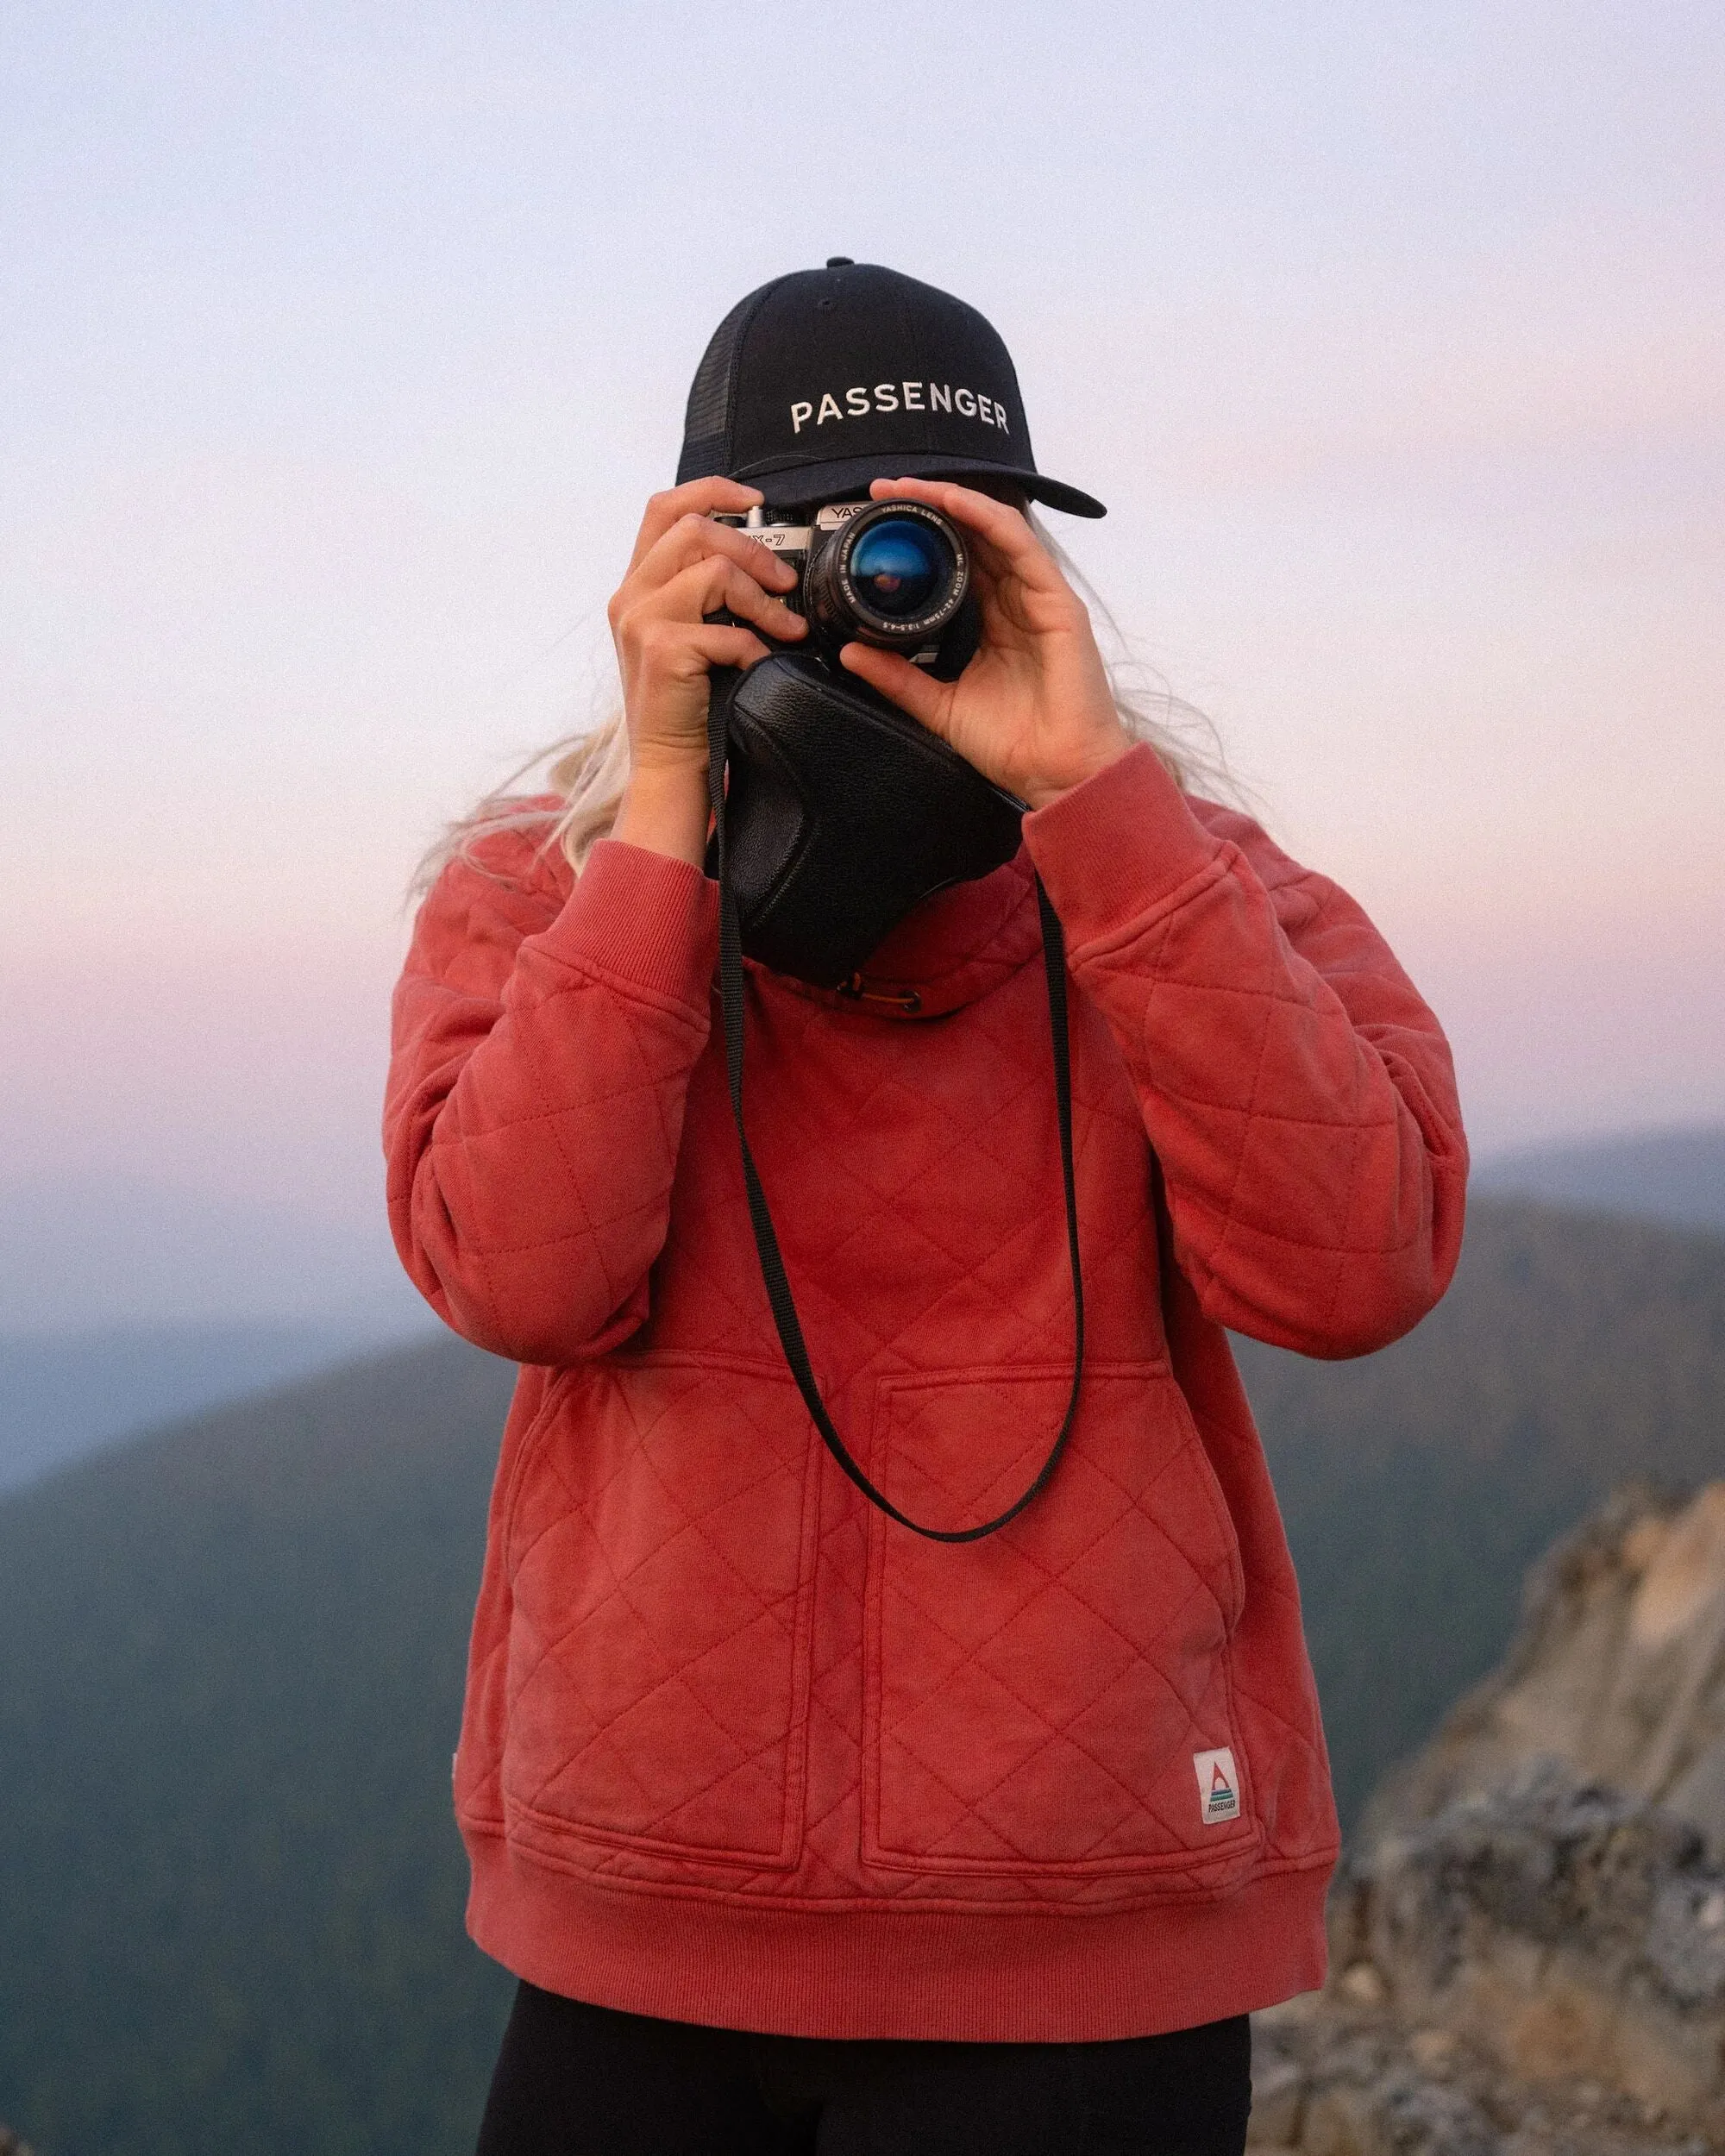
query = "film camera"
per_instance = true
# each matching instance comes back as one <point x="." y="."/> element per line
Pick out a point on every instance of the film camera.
<point x="895" y="574"/>
<point x="842" y="813"/>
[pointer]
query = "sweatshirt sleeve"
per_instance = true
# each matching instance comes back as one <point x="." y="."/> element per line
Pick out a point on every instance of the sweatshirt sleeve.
<point x="541" y="1047"/>
<point x="1298" y="1094"/>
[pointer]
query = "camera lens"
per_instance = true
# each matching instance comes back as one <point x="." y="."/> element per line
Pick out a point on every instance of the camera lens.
<point x="897" y="565"/>
<point x="894" y="574"/>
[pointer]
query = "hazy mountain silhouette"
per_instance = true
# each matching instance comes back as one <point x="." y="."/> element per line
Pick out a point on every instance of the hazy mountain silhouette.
<point x="230" y="1669"/>
<point x="1676" y="1175"/>
<point x="79" y="1254"/>
<point x="1573" y="1350"/>
<point x="63" y="1394"/>
<point x="122" y="1305"/>
<point x="231" y="1658"/>
<point x="124" y="1302"/>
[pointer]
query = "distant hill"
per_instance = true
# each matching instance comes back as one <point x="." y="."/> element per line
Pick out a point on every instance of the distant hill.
<point x="230" y="1665"/>
<point x="1572" y="1352"/>
<point x="123" y="1304"/>
<point x="1676" y="1175"/>
<point x="230" y="1671"/>
<point x="79" y="1255"/>
<point x="63" y="1394"/>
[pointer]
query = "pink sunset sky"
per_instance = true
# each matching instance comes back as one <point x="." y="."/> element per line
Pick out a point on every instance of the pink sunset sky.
<point x="343" y="345"/>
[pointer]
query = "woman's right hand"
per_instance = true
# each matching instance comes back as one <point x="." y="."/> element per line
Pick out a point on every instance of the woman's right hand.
<point x="685" y="567"/>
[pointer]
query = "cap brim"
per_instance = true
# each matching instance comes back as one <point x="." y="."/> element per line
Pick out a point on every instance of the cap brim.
<point x="800" y="484"/>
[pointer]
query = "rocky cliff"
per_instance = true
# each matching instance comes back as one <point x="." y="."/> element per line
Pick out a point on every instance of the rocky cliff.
<point x="1618" y="1672"/>
<point x="1528" y="1937"/>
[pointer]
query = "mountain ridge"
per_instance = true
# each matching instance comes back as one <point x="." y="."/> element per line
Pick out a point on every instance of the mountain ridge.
<point x="1675" y="1174"/>
<point x="164" y="1303"/>
<point x="64" y="1394"/>
<point x="231" y="1677"/>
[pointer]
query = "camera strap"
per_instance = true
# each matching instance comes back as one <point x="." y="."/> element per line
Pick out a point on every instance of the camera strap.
<point x="773" y="1274"/>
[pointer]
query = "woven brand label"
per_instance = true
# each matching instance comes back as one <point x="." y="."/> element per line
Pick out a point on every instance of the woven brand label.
<point x="1218" y="1785"/>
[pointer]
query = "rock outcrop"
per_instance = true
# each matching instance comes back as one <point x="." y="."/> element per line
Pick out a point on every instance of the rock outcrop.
<point x="1528" y="1937"/>
<point x="1618" y="1672"/>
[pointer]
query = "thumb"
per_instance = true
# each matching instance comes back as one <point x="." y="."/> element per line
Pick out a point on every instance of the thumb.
<point x="902" y="683"/>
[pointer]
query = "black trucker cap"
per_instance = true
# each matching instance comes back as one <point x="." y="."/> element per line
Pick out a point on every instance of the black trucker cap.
<point x="826" y="378"/>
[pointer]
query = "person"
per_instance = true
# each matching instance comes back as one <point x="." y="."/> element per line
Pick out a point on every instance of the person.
<point x="800" y="1830"/>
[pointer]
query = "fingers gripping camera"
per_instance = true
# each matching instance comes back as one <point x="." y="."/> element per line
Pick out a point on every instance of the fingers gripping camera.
<point x="896" y="574"/>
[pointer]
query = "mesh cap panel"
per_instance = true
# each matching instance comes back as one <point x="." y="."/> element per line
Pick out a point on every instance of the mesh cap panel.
<point x="706" y="423"/>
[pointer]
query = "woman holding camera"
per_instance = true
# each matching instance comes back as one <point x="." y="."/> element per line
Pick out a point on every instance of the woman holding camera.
<point x="844" y="1765"/>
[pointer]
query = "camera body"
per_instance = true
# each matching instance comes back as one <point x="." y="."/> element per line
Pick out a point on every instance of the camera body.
<point x="893" y="574"/>
<point x="842" y="813"/>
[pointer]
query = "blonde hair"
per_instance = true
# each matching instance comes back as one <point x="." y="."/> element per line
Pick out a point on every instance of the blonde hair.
<point x="590" y="769"/>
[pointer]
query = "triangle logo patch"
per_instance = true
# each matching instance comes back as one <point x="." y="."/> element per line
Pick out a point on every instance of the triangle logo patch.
<point x="1218" y="1785"/>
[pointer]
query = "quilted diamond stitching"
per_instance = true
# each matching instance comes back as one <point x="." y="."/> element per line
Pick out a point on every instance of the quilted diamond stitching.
<point x="955" y="1276"/>
<point x="1139" y="1799"/>
<point x="578" y="1507"/>
<point x="965" y="1273"/>
<point x="1060" y="1578"/>
<point x="772" y="1609"/>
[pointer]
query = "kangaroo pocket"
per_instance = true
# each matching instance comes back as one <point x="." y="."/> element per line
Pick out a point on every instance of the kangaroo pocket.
<point x="661" y="1559"/>
<point x="1057" y="1695"/>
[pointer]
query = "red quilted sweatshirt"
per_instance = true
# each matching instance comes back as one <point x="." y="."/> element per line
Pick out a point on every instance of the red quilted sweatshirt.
<point x="738" y="1748"/>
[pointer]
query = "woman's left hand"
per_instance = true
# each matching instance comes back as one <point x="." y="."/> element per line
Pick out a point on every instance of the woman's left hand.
<point x="1033" y="709"/>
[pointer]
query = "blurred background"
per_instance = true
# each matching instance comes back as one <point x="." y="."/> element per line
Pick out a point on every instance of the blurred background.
<point x="341" y="345"/>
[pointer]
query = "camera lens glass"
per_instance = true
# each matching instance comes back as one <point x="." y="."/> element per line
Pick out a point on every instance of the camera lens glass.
<point x="898" y="565"/>
<point x="893" y="575"/>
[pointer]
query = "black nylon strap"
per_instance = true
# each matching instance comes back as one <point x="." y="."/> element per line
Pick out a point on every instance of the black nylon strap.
<point x="773" y="1274"/>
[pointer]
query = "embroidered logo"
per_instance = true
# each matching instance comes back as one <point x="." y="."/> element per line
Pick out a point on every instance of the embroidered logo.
<point x="859" y="401"/>
<point x="1218" y="1785"/>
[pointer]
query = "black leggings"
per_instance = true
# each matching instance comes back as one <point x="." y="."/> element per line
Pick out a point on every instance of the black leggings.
<point x="578" y="2080"/>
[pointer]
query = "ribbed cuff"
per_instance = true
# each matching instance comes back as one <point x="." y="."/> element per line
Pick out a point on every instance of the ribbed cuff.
<point x="644" y="920"/>
<point x="1115" y="848"/>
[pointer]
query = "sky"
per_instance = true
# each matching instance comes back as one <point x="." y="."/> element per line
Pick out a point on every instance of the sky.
<point x="341" y="345"/>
